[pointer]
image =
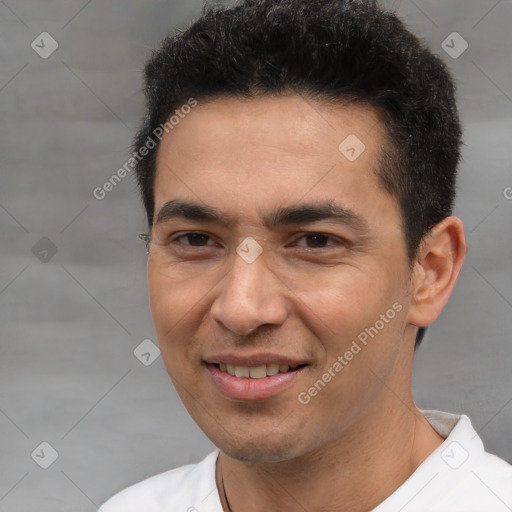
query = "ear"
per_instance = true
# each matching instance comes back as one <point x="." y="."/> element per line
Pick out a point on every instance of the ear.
<point x="436" y="269"/>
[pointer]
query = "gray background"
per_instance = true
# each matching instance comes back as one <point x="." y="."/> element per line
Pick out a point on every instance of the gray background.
<point x="69" y="325"/>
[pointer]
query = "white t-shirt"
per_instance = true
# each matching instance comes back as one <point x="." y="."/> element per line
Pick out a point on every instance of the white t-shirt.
<point x="459" y="476"/>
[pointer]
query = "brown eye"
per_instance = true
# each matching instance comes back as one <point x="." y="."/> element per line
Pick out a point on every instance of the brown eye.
<point x="320" y="241"/>
<point x="194" y="239"/>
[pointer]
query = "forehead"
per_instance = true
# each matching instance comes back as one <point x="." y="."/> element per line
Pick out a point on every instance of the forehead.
<point x="292" y="123"/>
<point x="241" y="153"/>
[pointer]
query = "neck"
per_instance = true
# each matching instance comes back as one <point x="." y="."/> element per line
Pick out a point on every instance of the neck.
<point x="355" y="472"/>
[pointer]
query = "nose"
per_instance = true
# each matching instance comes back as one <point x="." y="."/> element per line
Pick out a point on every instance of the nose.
<point x="251" y="295"/>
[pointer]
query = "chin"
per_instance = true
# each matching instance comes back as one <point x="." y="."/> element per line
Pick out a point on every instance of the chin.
<point x="252" y="454"/>
<point x="260" y="450"/>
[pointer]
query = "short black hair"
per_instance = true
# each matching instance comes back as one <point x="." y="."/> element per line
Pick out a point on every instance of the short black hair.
<point x="336" y="51"/>
<point x="419" y="336"/>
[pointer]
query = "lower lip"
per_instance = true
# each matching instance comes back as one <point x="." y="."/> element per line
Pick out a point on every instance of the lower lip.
<point x="252" y="389"/>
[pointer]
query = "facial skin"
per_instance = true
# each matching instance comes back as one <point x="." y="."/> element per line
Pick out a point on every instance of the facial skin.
<point x="303" y="298"/>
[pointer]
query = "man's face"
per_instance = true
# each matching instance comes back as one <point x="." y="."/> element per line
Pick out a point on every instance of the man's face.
<point x="319" y="284"/>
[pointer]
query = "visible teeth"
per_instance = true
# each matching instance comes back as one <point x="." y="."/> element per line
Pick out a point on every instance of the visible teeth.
<point x="272" y="369"/>
<point x="242" y="371"/>
<point x="258" y="372"/>
<point x="254" y="372"/>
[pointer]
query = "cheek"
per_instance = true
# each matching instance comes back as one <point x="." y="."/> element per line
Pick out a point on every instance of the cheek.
<point x="161" y="301"/>
<point x="171" y="304"/>
<point x="173" y="294"/>
<point x="360" y="317"/>
<point x="179" y="300"/>
<point x="346" y="300"/>
<point x="358" y="358"/>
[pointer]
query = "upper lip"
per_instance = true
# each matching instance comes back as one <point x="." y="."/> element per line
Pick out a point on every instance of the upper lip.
<point x="253" y="359"/>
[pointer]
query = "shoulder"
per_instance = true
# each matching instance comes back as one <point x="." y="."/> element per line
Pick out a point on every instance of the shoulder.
<point x="470" y="478"/>
<point x="180" y="488"/>
<point x="495" y="474"/>
<point x="486" y="486"/>
<point x="475" y="479"/>
<point x="459" y="476"/>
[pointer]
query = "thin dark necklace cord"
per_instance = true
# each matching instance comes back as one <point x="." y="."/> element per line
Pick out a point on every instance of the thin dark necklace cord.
<point x="224" y="488"/>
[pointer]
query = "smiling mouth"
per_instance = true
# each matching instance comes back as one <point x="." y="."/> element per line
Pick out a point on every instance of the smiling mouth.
<point x="256" y="372"/>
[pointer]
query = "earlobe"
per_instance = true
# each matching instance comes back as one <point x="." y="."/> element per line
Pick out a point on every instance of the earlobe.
<point x="438" y="263"/>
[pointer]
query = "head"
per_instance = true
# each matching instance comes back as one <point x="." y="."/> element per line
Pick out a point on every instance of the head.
<point x="273" y="89"/>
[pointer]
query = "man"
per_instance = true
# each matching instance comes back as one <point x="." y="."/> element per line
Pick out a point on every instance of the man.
<point x="299" y="202"/>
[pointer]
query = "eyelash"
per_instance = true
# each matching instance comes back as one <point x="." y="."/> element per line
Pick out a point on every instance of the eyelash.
<point x="338" y="241"/>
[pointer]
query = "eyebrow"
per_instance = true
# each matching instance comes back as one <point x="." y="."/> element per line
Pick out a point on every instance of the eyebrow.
<point x="303" y="213"/>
